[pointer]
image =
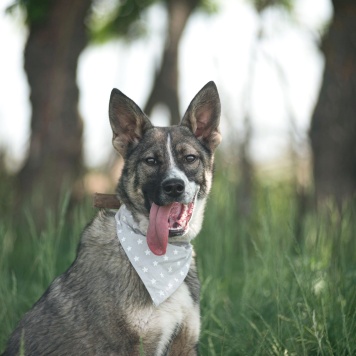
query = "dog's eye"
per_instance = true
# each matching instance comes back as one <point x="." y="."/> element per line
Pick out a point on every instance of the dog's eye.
<point x="151" y="161"/>
<point x="191" y="158"/>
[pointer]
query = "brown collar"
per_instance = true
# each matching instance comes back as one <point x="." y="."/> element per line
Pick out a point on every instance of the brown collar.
<point x="106" y="201"/>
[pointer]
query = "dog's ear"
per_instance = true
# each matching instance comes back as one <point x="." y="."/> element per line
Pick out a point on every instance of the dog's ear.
<point x="127" y="120"/>
<point x="203" y="116"/>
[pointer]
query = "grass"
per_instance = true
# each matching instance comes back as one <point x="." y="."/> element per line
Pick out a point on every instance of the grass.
<point x="271" y="285"/>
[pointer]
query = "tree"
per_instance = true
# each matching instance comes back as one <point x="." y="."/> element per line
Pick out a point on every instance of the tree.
<point x="57" y="35"/>
<point x="165" y="87"/>
<point x="333" y="127"/>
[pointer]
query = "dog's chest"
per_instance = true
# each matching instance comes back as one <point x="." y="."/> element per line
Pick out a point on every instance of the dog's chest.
<point x="164" y="322"/>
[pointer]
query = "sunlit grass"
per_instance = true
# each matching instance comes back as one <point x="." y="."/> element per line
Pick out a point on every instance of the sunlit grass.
<point x="265" y="290"/>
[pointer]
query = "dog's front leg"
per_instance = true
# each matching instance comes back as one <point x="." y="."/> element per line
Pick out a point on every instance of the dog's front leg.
<point x="187" y="338"/>
<point x="184" y="344"/>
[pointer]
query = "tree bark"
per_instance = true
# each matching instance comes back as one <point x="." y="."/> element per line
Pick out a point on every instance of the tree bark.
<point x="50" y="59"/>
<point x="333" y="127"/>
<point x="165" y="87"/>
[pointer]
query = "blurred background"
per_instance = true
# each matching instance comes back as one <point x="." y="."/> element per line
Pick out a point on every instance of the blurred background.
<point x="276" y="255"/>
<point x="284" y="70"/>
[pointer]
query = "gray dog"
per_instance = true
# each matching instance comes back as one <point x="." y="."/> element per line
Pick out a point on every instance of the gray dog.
<point x="133" y="288"/>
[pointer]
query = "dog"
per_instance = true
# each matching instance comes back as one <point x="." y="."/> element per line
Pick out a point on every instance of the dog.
<point x="133" y="288"/>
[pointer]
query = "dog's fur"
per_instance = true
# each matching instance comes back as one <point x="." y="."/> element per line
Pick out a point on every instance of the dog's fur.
<point x="99" y="306"/>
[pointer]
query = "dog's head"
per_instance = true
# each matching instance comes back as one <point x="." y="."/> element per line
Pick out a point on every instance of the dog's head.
<point x="167" y="173"/>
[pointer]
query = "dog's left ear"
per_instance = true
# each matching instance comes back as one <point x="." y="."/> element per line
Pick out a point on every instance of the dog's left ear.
<point x="127" y="120"/>
<point x="203" y="116"/>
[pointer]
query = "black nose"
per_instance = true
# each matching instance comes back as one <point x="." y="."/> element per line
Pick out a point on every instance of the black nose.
<point x="173" y="187"/>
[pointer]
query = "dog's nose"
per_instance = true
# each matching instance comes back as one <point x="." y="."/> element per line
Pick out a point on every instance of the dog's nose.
<point x="173" y="187"/>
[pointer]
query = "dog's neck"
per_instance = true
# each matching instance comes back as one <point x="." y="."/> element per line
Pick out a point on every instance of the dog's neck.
<point x="161" y="275"/>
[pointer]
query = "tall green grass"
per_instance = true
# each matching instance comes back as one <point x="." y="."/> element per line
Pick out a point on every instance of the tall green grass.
<point x="271" y="285"/>
<point x="31" y="258"/>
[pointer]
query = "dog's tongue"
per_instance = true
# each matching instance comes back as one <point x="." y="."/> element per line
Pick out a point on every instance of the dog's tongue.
<point x="158" y="229"/>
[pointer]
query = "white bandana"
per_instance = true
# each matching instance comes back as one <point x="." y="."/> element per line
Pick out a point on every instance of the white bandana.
<point x="161" y="275"/>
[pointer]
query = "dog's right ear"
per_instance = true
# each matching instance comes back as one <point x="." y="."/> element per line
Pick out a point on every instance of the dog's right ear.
<point x="128" y="122"/>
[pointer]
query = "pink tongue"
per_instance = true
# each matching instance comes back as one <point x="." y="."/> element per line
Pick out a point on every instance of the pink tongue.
<point x="157" y="233"/>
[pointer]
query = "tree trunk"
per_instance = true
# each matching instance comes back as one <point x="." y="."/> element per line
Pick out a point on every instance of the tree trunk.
<point x="51" y="55"/>
<point x="333" y="128"/>
<point x="165" y="87"/>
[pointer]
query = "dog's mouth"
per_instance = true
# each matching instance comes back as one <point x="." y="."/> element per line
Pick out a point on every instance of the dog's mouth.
<point x="167" y="221"/>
